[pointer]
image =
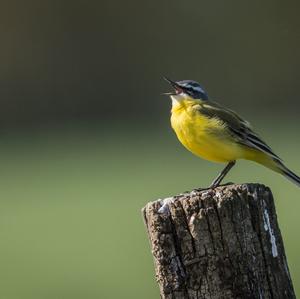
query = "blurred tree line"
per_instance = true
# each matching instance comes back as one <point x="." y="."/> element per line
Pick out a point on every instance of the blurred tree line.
<point x="103" y="60"/>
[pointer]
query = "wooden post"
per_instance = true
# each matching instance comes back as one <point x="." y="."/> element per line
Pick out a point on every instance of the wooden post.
<point x="218" y="244"/>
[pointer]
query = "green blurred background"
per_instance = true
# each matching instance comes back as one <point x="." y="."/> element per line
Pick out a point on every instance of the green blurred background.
<point x="85" y="136"/>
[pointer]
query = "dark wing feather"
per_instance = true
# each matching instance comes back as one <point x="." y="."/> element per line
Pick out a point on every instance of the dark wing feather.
<point x="238" y="127"/>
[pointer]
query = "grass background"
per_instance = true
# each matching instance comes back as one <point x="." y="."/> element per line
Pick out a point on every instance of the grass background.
<point x="71" y="194"/>
<point x="70" y="203"/>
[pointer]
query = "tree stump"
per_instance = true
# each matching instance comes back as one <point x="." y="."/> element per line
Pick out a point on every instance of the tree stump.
<point x="221" y="243"/>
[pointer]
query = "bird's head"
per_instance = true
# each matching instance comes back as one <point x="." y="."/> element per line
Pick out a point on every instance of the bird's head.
<point x="186" y="89"/>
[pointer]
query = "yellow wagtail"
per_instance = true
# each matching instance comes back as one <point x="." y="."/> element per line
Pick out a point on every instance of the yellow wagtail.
<point x="216" y="133"/>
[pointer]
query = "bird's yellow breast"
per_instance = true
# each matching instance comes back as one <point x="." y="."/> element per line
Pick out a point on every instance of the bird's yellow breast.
<point x="203" y="136"/>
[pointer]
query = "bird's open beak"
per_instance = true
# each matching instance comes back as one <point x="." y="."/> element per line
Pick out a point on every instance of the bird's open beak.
<point x="177" y="88"/>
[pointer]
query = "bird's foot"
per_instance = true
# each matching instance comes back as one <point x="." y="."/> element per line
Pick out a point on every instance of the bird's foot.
<point x="164" y="209"/>
<point x="202" y="189"/>
<point x="213" y="186"/>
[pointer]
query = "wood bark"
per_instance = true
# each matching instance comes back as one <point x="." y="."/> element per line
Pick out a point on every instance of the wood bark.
<point x="218" y="244"/>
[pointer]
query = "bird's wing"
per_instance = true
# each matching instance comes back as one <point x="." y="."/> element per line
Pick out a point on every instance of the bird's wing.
<point x="239" y="128"/>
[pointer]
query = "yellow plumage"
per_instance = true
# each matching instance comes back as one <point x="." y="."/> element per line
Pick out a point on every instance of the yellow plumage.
<point x="210" y="138"/>
<point x="194" y="131"/>
<point x="216" y="133"/>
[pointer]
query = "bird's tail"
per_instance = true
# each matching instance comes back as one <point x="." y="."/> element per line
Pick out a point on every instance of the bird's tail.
<point x="291" y="176"/>
<point x="278" y="166"/>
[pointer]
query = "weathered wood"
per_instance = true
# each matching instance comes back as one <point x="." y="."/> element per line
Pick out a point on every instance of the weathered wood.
<point x="222" y="243"/>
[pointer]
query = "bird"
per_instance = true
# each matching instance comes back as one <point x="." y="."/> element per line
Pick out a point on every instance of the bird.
<point x="216" y="133"/>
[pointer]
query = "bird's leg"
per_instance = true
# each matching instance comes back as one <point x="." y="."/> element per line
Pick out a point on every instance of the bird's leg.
<point x="216" y="182"/>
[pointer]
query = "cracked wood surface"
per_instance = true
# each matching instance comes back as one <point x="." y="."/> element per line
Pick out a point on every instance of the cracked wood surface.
<point x="221" y="243"/>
